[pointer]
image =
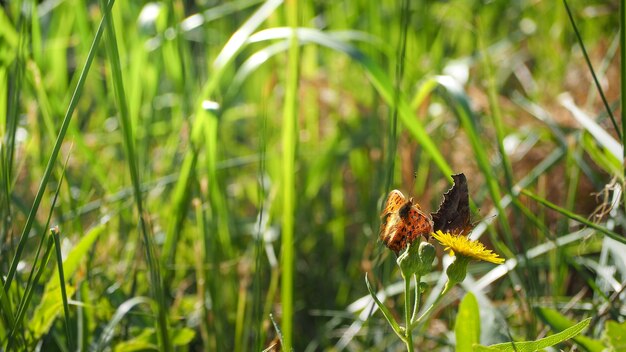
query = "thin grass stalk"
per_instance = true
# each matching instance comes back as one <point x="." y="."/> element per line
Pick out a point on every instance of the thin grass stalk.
<point x="257" y="316"/>
<point x="29" y="293"/>
<point x="55" y="150"/>
<point x="202" y="276"/>
<point x="8" y="144"/>
<point x="240" y="316"/>
<point x="33" y="279"/>
<point x="622" y="51"/>
<point x="496" y="113"/>
<point x="576" y="217"/>
<point x="125" y="123"/>
<point x="12" y="119"/>
<point x="220" y="67"/>
<point x="270" y="297"/>
<point x="593" y="73"/>
<point x="55" y="233"/>
<point x="460" y="105"/>
<point x="289" y="142"/>
<point x="393" y="122"/>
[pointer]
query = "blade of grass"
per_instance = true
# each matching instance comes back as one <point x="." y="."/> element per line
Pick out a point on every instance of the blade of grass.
<point x="494" y="106"/>
<point x="49" y="305"/>
<point x="392" y="137"/>
<point x="289" y="144"/>
<point x="453" y="92"/>
<point x="199" y="130"/>
<point x="622" y="51"/>
<point x="55" y="233"/>
<point x="591" y="70"/>
<point x="126" y="126"/>
<point x="29" y="292"/>
<point x="31" y="283"/>
<point x="55" y="151"/>
<point x="120" y="313"/>
<point x="257" y="314"/>
<point x="573" y="216"/>
<point x="377" y="76"/>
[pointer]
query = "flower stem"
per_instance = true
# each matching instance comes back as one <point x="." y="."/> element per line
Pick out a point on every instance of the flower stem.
<point x="446" y="289"/>
<point x="416" y="305"/>
<point x="407" y="313"/>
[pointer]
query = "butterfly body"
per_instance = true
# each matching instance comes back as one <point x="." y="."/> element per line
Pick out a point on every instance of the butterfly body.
<point x="402" y="222"/>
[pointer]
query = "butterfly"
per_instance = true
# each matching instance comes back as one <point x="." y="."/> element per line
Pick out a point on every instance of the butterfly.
<point x="453" y="214"/>
<point x="402" y="222"/>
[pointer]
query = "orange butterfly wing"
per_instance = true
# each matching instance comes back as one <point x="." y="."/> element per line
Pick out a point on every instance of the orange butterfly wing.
<point x="402" y="222"/>
<point x="389" y="217"/>
<point x="395" y="200"/>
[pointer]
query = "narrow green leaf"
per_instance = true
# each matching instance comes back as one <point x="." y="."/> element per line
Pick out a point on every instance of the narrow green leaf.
<point x="576" y="217"/>
<point x="51" y="301"/>
<point x="392" y="322"/>
<point x="615" y="335"/>
<point x="156" y="284"/>
<point x="120" y="313"/>
<point x="467" y="325"/>
<point x="531" y="346"/>
<point x="559" y="322"/>
<point x="55" y="150"/>
<point x="66" y="308"/>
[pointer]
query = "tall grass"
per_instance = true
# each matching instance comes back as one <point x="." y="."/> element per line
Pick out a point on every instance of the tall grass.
<point x="230" y="159"/>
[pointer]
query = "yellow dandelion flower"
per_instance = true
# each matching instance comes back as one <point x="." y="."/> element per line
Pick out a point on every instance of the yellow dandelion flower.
<point x="462" y="245"/>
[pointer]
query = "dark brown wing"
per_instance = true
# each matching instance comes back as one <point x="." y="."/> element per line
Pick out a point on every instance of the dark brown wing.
<point x="453" y="214"/>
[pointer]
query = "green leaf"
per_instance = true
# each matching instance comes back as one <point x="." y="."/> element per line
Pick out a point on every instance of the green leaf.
<point x="182" y="337"/>
<point x="530" y="346"/>
<point x="392" y="322"/>
<point x="120" y="313"/>
<point x="467" y="326"/>
<point x="602" y="157"/>
<point x="559" y="322"/>
<point x="145" y="341"/>
<point x="51" y="302"/>
<point x="615" y="335"/>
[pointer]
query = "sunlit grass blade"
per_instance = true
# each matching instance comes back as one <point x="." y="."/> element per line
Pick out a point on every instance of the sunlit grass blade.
<point x="12" y="339"/>
<point x="129" y="144"/>
<point x="377" y="76"/>
<point x="55" y="151"/>
<point x="392" y="132"/>
<point x="109" y="331"/>
<point x="591" y="70"/>
<point x="622" y="51"/>
<point x="602" y="137"/>
<point x="576" y="217"/>
<point x="458" y="101"/>
<point x="36" y="272"/>
<point x="50" y="303"/>
<point x="288" y="184"/>
<point x="55" y="233"/>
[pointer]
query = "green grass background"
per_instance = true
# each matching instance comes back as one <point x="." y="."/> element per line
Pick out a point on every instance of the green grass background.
<point x="207" y="168"/>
